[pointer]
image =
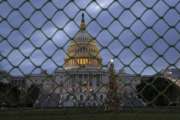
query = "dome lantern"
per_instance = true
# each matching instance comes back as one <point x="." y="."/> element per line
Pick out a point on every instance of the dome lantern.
<point x="82" y="25"/>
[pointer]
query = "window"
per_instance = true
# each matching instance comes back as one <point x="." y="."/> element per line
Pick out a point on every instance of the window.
<point x="101" y="97"/>
<point x="81" y="97"/>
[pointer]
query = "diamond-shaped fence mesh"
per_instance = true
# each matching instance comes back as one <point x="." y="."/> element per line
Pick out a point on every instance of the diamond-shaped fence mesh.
<point x="108" y="54"/>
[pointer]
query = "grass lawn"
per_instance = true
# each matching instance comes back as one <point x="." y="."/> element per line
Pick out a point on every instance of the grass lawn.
<point x="87" y="114"/>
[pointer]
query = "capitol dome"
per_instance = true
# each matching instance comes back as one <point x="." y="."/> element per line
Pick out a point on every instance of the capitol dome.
<point x="82" y="51"/>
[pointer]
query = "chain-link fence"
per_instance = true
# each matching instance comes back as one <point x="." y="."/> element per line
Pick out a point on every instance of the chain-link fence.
<point x="108" y="54"/>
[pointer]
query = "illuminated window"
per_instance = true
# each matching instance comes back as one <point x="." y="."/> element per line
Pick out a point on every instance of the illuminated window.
<point x="81" y="61"/>
<point x="86" y="61"/>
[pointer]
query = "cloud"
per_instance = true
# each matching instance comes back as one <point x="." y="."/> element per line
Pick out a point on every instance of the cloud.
<point x="60" y="29"/>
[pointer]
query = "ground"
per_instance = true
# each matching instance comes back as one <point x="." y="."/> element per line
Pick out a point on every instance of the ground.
<point x="89" y="114"/>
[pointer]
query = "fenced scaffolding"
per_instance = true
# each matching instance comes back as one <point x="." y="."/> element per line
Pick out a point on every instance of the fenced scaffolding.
<point x="45" y="62"/>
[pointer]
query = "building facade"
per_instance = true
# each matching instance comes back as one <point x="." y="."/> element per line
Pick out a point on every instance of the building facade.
<point x="82" y="81"/>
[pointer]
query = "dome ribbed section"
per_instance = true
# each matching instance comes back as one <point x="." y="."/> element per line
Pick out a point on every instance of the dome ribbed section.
<point x="82" y="36"/>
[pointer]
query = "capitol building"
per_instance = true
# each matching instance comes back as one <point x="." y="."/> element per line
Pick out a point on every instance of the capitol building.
<point x="82" y="81"/>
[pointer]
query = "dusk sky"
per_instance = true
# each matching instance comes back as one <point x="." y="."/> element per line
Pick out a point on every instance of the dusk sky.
<point x="142" y="36"/>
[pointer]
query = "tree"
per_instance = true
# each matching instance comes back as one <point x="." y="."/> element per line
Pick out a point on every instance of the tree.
<point x="112" y="95"/>
<point x="158" y="91"/>
<point x="9" y="95"/>
<point x="13" y="97"/>
<point x="32" y="95"/>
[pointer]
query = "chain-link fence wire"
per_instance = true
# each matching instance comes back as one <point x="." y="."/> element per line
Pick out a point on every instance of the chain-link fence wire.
<point x="141" y="36"/>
